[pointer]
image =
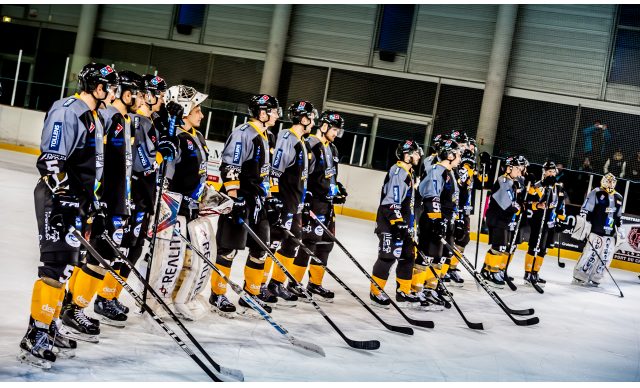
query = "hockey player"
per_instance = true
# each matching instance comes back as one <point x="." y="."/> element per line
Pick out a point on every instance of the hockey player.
<point x="439" y="192"/>
<point x="109" y="217"/>
<point x="600" y="222"/>
<point x="501" y="216"/>
<point x="70" y="165"/>
<point x="176" y="274"/>
<point x="544" y="194"/>
<point x="145" y="166"/>
<point x="395" y="226"/>
<point x="245" y="175"/>
<point x="323" y="190"/>
<point x="289" y="172"/>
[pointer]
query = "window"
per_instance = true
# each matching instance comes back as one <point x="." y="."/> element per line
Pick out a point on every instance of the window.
<point x="394" y="30"/>
<point x="625" y="66"/>
<point x="189" y="16"/>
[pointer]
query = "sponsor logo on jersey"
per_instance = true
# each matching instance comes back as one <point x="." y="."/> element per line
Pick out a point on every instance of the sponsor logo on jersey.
<point x="237" y="152"/>
<point x="92" y="127"/>
<point x="397" y="252"/>
<point x="56" y="134"/>
<point x="136" y="121"/>
<point x="277" y="158"/>
<point x="105" y="71"/>
<point x="136" y="230"/>
<point x="190" y="145"/>
<point x="143" y="158"/>
<point x="69" y="102"/>
<point x="119" y="129"/>
<point x="118" y="222"/>
<point x="139" y="217"/>
<point x="117" y="236"/>
<point x="396" y="194"/>
<point x="319" y="231"/>
<point x="71" y="240"/>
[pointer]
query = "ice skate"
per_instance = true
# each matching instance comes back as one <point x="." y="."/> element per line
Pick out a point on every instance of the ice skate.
<point x="320" y="293"/>
<point x="109" y="312"/>
<point x="79" y="326"/>
<point x="431" y="296"/>
<point x="493" y="279"/>
<point x="221" y="305"/>
<point x="63" y="346"/>
<point x="380" y="301"/>
<point x="248" y="311"/>
<point x="410" y="300"/>
<point x="266" y="296"/>
<point x="36" y="347"/>
<point x="285" y="297"/>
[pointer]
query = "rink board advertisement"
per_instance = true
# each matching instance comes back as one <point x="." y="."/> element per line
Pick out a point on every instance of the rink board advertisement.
<point x="629" y="250"/>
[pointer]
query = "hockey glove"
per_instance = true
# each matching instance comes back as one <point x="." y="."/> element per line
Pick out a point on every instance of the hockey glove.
<point x="439" y="227"/>
<point x="274" y="207"/>
<point x="400" y="230"/>
<point x="582" y="228"/>
<point x="65" y="205"/>
<point x="239" y="210"/>
<point x="460" y="229"/>
<point x="176" y="110"/>
<point x="342" y="195"/>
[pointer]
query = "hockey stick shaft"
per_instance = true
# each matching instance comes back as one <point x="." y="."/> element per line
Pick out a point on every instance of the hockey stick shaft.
<point x="415" y="322"/>
<point x="368" y="345"/>
<point x="467" y="265"/>
<point x="146" y="308"/>
<point x="513" y="246"/>
<point x="536" y="250"/>
<point x="251" y="301"/>
<point x="471" y="325"/>
<point x="480" y="214"/>
<point x="605" y="267"/>
<point x="317" y="261"/>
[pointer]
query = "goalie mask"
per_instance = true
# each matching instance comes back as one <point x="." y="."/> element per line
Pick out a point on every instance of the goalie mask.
<point x="186" y="96"/>
<point x="608" y="183"/>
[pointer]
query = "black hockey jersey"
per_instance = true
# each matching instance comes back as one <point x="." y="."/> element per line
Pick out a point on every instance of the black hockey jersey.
<point x="554" y="199"/>
<point x="502" y="205"/>
<point x="72" y="147"/>
<point x="118" y="162"/>
<point x="245" y="161"/>
<point x="290" y="169"/>
<point x="323" y="169"/>
<point x="145" y="166"/>
<point x="603" y="211"/>
<point x="187" y="173"/>
<point x="439" y="192"/>
<point x="465" y="178"/>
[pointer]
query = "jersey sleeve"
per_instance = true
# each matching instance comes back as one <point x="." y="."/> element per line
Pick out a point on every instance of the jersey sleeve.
<point x="236" y="151"/>
<point x="394" y="192"/>
<point x="60" y="136"/>
<point x="430" y="190"/>
<point x="503" y="195"/>
<point x="589" y="204"/>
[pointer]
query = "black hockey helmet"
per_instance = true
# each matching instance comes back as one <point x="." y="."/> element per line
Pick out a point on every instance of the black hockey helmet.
<point x="549" y="165"/>
<point x="517" y="160"/>
<point x="129" y="81"/>
<point x="260" y="102"/>
<point x="334" y="120"/>
<point x="94" y="74"/>
<point x="469" y="157"/>
<point x="407" y="147"/>
<point x="154" y="84"/>
<point x="437" y="141"/>
<point x="300" y="109"/>
<point x="460" y="137"/>
<point x="447" y="149"/>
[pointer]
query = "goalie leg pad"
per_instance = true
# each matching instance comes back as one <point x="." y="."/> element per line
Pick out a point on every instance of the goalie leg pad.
<point x="167" y="262"/>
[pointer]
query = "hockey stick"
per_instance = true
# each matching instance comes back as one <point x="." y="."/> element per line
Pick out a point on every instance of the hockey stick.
<point x="152" y="244"/>
<point x="415" y="322"/>
<point x="496" y="298"/>
<point x="227" y="375"/>
<point x="398" y="329"/>
<point x="480" y="213"/>
<point x="536" y="250"/>
<point x="236" y="374"/>
<point x="367" y="345"/>
<point x="514" y="245"/>
<point x="558" y="245"/>
<point x="470" y="325"/>
<point x="251" y="302"/>
<point x="605" y="267"/>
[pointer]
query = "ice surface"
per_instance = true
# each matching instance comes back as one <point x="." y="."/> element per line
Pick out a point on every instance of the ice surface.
<point x="583" y="335"/>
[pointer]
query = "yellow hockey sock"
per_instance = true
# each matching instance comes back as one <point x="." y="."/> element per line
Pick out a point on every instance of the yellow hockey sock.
<point x="528" y="262"/>
<point x="278" y="273"/>
<point x="454" y="262"/>
<point x="268" y="263"/>
<point x="56" y="314"/>
<point x="418" y="279"/>
<point x="380" y="282"/>
<point x="85" y="288"/>
<point x="218" y="284"/>
<point x="431" y="277"/>
<point x="44" y="301"/>
<point x="316" y="274"/>
<point x="492" y="261"/>
<point x="444" y="270"/>
<point x="504" y="259"/>
<point x="107" y="289"/>
<point x="298" y="271"/>
<point x="252" y="279"/>
<point x="72" y="280"/>
<point x="404" y="285"/>
<point x="538" y="264"/>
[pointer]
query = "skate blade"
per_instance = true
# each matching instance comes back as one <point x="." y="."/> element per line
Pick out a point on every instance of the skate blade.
<point x="248" y="312"/>
<point x="455" y="284"/>
<point x="63" y="353"/>
<point x="380" y="306"/>
<point x="224" y="314"/>
<point x="113" y="323"/>
<point x="76" y="335"/>
<point x="286" y="303"/>
<point x="408" y="305"/>
<point x="28" y="358"/>
<point x="317" y="297"/>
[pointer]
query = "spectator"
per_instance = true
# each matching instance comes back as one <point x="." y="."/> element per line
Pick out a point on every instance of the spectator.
<point x="586" y="165"/>
<point x="634" y="168"/>
<point x="616" y="164"/>
<point x="596" y="139"/>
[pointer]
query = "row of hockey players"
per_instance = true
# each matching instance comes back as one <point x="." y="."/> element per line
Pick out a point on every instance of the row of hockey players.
<point x="100" y="152"/>
<point x="444" y="196"/>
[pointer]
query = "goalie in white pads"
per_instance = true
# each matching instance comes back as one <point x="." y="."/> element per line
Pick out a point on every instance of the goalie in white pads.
<point x="177" y="275"/>
<point x="600" y="223"/>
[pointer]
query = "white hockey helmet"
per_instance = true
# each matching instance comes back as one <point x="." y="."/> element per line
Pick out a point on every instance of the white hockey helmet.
<point x="186" y="96"/>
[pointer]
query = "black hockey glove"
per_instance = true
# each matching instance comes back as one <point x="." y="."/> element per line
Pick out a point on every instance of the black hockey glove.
<point x="460" y="229"/>
<point x="400" y="230"/>
<point x="176" y="110"/>
<point x="342" y="195"/>
<point x="239" y="210"/>
<point x="439" y="227"/>
<point x="274" y="208"/>
<point x="65" y="206"/>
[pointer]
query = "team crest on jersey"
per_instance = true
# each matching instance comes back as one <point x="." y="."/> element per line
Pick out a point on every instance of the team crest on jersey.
<point x="119" y="129"/>
<point x="105" y="71"/>
<point x="190" y="145"/>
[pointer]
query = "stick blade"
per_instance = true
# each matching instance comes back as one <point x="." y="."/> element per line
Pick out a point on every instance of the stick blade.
<point x="527" y="322"/>
<point x="475" y="325"/>
<point x="426" y="324"/>
<point x="365" y="345"/>
<point x="400" y="329"/>
<point x="308" y="346"/>
<point x="521" y="312"/>
<point x="230" y="375"/>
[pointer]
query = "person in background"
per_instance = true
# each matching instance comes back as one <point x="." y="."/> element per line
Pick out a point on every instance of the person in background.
<point x="616" y="164"/>
<point x="634" y="168"/>
<point x="596" y="139"/>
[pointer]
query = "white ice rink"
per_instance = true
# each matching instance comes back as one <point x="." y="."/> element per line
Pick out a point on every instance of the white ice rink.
<point x="583" y="335"/>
